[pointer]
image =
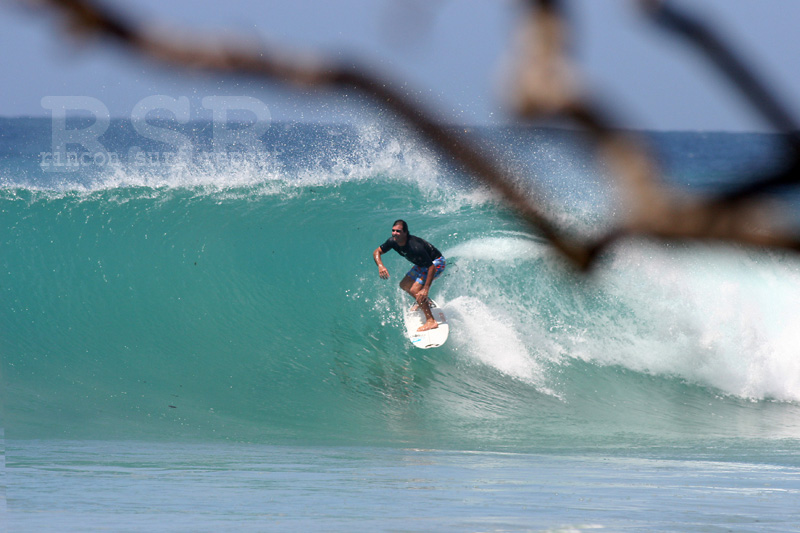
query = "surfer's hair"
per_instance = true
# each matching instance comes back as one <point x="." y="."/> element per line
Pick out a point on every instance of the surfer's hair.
<point x="403" y="222"/>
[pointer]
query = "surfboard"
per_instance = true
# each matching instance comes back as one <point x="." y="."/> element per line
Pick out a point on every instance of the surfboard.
<point x="431" y="338"/>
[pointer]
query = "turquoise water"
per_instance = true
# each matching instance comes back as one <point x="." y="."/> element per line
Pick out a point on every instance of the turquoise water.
<point x="196" y="346"/>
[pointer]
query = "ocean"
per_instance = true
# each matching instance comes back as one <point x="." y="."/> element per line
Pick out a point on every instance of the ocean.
<point x="199" y="341"/>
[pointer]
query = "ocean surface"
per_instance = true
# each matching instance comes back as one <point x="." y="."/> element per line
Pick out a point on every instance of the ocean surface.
<point x="199" y="341"/>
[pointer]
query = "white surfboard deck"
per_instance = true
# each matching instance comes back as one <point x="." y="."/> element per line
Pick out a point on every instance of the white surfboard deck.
<point x="432" y="337"/>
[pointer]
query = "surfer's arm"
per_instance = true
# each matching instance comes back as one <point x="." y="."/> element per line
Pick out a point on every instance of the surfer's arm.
<point x="382" y="271"/>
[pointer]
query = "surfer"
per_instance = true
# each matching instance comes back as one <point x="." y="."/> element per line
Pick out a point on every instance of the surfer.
<point x="428" y="265"/>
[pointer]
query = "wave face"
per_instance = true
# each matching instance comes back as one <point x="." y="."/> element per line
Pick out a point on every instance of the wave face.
<point x="242" y="303"/>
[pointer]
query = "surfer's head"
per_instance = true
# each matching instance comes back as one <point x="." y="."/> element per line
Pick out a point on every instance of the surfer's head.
<point x="400" y="232"/>
<point x="400" y="225"/>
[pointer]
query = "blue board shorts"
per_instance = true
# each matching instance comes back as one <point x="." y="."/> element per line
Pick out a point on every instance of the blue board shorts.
<point x="420" y="274"/>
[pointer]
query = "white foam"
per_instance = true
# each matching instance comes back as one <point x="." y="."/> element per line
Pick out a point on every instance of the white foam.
<point x="487" y="334"/>
<point x="714" y="317"/>
<point x="497" y="249"/>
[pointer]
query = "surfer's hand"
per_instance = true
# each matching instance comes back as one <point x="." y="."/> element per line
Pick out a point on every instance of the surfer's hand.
<point x="422" y="295"/>
<point x="383" y="272"/>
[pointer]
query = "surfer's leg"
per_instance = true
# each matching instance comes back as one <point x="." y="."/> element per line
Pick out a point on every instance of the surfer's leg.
<point x="412" y="286"/>
<point x="430" y="322"/>
<point x="407" y="284"/>
<point x="417" y="286"/>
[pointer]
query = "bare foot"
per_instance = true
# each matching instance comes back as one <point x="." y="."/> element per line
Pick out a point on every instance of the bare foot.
<point x="430" y="324"/>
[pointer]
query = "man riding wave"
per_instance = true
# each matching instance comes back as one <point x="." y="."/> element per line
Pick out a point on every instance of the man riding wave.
<point x="428" y="265"/>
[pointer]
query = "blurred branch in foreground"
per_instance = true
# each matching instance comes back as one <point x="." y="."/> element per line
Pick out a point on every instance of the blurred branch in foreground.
<point x="543" y="86"/>
<point x="743" y="216"/>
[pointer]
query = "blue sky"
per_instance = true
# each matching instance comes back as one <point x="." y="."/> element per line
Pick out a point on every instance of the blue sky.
<point x="448" y="53"/>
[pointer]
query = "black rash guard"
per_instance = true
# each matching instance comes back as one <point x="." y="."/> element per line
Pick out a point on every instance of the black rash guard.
<point x="418" y="251"/>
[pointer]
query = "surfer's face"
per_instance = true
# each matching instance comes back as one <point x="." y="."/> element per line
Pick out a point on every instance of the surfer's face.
<point x="398" y="233"/>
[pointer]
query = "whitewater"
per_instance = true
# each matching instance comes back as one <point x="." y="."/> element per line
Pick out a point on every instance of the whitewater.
<point x="202" y="345"/>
